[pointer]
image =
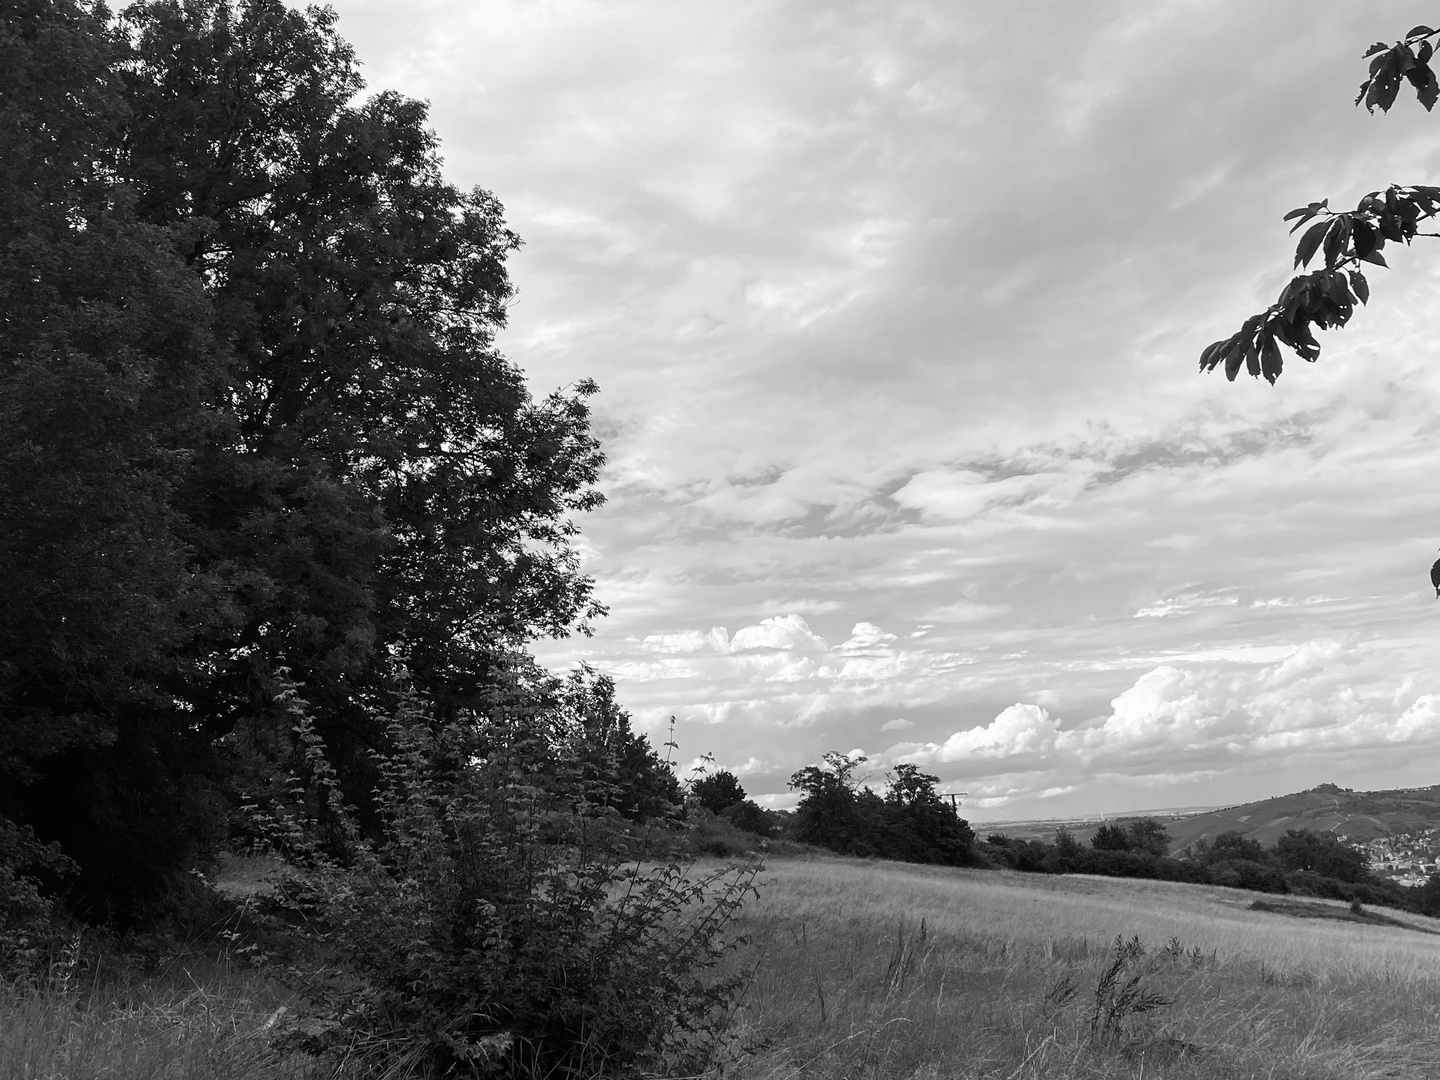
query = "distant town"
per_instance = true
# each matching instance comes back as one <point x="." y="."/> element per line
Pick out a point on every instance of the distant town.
<point x="1407" y="858"/>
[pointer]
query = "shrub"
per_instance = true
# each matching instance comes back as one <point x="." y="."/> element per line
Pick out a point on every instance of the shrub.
<point x="1110" y="838"/>
<point x="502" y="924"/>
<point x="27" y="918"/>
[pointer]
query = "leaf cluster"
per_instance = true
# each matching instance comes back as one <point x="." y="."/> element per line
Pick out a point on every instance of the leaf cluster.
<point x="1408" y="60"/>
<point x="1325" y="298"/>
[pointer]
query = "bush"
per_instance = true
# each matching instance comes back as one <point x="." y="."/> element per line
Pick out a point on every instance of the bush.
<point x="27" y="918"/>
<point x="503" y="924"/>
<point x="1244" y="874"/>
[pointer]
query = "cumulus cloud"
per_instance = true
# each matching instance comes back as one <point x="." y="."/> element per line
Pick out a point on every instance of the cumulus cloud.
<point x="1320" y="698"/>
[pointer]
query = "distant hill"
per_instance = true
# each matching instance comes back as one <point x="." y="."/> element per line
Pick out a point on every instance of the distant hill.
<point x="1353" y="815"/>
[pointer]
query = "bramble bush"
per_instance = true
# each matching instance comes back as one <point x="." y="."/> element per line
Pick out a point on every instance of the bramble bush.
<point x="507" y="921"/>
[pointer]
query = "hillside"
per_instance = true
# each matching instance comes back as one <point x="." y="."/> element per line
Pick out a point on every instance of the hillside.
<point x="1358" y="816"/>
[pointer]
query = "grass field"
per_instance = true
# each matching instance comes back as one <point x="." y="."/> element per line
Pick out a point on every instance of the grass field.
<point x="881" y="970"/>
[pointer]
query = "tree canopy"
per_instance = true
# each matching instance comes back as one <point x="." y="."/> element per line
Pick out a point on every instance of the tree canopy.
<point x="254" y="430"/>
<point x="1346" y="241"/>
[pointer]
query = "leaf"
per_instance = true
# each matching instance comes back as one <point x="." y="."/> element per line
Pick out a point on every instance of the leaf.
<point x="1233" y="354"/>
<point x="1304" y="343"/>
<point x="1252" y="357"/>
<point x="1360" y="285"/>
<point x="1209" y="357"/>
<point x="1390" y="228"/>
<point x="1305" y="250"/>
<point x="1420" y="31"/>
<point x="1271" y="363"/>
<point x="1376" y="258"/>
<point x="1364" y="236"/>
<point x="1336" y="240"/>
<point x="1383" y="88"/>
<point x="1426" y="51"/>
<point x="1303" y="211"/>
<point x="1378" y="47"/>
<point x="1427" y="92"/>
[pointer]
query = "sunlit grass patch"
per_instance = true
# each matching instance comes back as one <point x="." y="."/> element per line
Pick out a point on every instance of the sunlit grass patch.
<point x="881" y="970"/>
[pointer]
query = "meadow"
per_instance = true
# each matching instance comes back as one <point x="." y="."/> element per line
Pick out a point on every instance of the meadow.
<point x="889" y="971"/>
<point x="880" y="970"/>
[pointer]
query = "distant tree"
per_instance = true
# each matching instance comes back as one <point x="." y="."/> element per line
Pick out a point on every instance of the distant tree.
<point x="923" y="826"/>
<point x="1345" y="240"/>
<point x="718" y="790"/>
<point x="1324" y="853"/>
<point x="1230" y="846"/>
<point x="749" y="816"/>
<point x="829" y="813"/>
<point x="1110" y="838"/>
<point x="615" y="758"/>
<point x="1148" y="835"/>
<point x="1068" y="851"/>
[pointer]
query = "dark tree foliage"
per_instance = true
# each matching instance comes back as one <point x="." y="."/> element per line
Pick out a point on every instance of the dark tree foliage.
<point x="253" y="429"/>
<point x="1324" y="853"/>
<point x="1149" y="836"/>
<point x="1110" y="838"/>
<point x="619" y="766"/>
<point x="748" y="816"/>
<point x="1229" y="846"/>
<point x="108" y="373"/>
<point x="1346" y="240"/>
<point x="829" y="811"/>
<point x="910" y="822"/>
<point x="718" y="790"/>
<point x="919" y="825"/>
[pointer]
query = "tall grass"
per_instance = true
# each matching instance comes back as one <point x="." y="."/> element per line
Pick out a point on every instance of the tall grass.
<point x="884" y="971"/>
<point x="196" y="1017"/>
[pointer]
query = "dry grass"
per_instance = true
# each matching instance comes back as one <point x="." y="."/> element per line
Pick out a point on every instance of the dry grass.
<point x="196" y="1017"/>
<point x="887" y="971"/>
<point x="877" y="971"/>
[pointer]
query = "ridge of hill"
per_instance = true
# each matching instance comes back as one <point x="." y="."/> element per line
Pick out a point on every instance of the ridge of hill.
<point x="1356" y="816"/>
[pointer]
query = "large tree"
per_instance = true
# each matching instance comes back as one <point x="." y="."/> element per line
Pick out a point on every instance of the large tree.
<point x="1346" y="241"/>
<point x="254" y="432"/>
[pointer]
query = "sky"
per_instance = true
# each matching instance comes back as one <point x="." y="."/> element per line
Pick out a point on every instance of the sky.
<point x="896" y="308"/>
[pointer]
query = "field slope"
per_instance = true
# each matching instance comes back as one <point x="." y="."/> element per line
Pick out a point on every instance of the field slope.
<point x="884" y="970"/>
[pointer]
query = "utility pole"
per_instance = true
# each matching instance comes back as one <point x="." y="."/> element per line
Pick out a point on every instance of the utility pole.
<point x="954" y="797"/>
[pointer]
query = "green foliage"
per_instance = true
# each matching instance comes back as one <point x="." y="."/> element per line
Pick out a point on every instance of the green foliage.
<point x="252" y="420"/>
<point x="1323" y="853"/>
<point x="718" y="790"/>
<point x="506" y="922"/>
<point x="1110" y="838"/>
<point x="1326" y="298"/>
<point x="910" y="822"/>
<point x="1149" y="836"/>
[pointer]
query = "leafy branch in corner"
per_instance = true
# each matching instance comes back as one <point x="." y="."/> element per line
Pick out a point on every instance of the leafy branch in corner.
<point x="1325" y="298"/>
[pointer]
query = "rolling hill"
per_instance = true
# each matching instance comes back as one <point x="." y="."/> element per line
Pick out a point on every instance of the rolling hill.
<point x="1357" y="816"/>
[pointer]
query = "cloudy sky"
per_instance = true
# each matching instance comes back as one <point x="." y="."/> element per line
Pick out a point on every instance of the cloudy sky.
<point x="895" y="308"/>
